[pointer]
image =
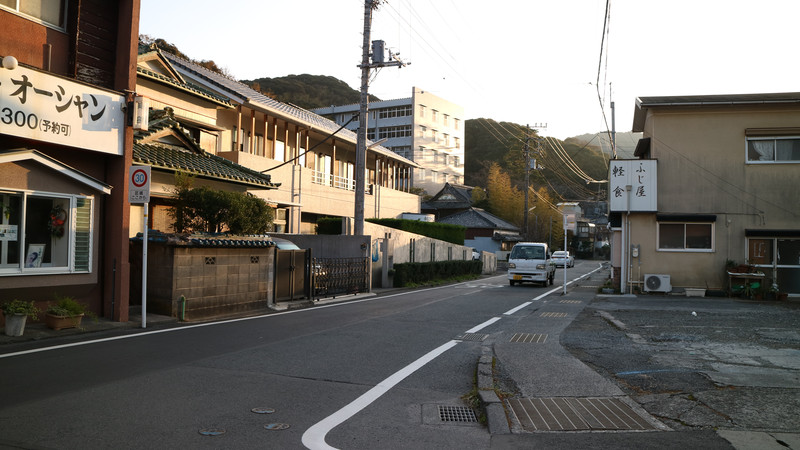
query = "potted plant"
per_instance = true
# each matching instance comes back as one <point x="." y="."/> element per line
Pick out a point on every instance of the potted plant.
<point x="16" y="313"/>
<point x="65" y="313"/>
<point x="777" y="292"/>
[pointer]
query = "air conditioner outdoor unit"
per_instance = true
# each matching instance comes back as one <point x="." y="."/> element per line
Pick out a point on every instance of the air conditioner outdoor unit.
<point x="657" y="283"/>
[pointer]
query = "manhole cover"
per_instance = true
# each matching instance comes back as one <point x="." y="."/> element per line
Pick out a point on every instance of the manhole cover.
<point x="572" y="302"/>
<point x="554" y="314"/>
<point x="456" y="414"/>
<point x="262" y="410"/>
<point x="472" y="337"/>
<point x="212" y="431"/>
<point x="276" y="426"/>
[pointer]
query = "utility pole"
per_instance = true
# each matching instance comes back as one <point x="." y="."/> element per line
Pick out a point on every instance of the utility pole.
<point x="527" y="181"/>
<point x="528" y="167"/>
<point x="363" y="125"/>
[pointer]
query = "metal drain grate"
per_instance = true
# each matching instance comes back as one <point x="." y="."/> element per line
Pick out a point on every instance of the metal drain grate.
<point x="576" y="414"/>
<point x="456" y="414"/>
<point x="554" y="314"/>
<point x="529" y="338"/>
<point x="570" y="301"/>
<point x="472" y="337"/>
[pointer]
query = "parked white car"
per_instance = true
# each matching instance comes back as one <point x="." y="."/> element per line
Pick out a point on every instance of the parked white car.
<point x="562" y="258"/>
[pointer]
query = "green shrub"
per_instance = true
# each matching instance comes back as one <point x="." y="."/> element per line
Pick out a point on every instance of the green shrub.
<point x="418" y="273"/>
<point x="442" y="231"/>
<point x="20" y="307"/>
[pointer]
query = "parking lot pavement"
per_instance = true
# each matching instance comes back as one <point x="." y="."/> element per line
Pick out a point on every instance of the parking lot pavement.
<point x="722" y="364"/>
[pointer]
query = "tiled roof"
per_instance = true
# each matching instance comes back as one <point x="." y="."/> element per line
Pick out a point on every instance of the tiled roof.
<point x="176" y="159"/>
<point x="187" y="87"/>
<point x="462" y="197"/>
<point x="250" y="96"/>
<point x="191" y="158"/>
<point x="478" y="218"/>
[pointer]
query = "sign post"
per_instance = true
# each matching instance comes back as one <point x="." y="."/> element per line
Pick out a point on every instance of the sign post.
<point x="139" y="192"/>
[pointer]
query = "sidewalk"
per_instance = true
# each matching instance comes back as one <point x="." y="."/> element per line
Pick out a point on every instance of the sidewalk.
<point x="701" y="380"/>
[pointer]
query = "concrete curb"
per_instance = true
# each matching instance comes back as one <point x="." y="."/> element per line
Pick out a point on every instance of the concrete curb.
<point x="490" y="402"/>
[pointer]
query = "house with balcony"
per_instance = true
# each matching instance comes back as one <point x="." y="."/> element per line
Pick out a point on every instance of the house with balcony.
<point x="309" y="157"/>
<point x="424" y="128"/>
<point x="714" y="181"/>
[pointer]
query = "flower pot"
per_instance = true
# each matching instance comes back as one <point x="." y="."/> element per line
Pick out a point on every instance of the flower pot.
<point x="15" y="324"/>
<point x="60" y="322"/>
<point x="782" y="296"/>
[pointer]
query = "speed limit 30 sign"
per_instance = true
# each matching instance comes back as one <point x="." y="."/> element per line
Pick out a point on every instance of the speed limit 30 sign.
<point x="139" y="185"/>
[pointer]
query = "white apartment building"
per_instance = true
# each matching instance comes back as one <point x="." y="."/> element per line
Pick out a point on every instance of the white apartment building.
<point x="423" y="128"/>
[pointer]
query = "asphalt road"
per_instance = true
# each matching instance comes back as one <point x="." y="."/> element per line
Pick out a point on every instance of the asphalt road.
<point x="377" y="373"/>
<point x="162" y="388"/>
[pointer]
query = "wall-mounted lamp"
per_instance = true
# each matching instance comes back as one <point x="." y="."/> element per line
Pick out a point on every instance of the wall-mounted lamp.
<point x="10" y="63"/>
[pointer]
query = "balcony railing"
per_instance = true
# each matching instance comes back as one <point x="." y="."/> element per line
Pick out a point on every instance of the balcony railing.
<point x="328" y="179"/>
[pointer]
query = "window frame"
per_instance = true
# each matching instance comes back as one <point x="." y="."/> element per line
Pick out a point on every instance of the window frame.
<point x="70" y="233"/>
<point x="686" y="249"/>
<point x="774" y="140"/>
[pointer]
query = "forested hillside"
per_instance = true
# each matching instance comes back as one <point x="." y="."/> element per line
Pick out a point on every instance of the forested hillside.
<point x="308" y="91"/>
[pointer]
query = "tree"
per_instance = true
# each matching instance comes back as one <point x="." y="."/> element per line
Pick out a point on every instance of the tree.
<point x="208" y="210"/>
<point x="505" y="201"/>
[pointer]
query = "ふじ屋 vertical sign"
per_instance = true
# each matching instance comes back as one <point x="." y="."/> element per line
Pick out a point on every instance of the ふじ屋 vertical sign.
<point x="641" y="176"/>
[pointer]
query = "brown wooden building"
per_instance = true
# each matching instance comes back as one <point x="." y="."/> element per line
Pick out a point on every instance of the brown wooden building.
<point x="68" y="74"/>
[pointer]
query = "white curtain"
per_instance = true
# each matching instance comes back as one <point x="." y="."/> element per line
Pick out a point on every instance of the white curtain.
<point x="765" y="150"/>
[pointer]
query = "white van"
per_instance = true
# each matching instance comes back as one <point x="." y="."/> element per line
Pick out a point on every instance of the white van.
<point x="531" y="261"/>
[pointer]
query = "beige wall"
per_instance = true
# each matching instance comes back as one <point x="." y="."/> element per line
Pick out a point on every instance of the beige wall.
<point x="702" y="169"/>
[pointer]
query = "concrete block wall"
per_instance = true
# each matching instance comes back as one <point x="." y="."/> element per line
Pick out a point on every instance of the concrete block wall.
<point x="214" y="281"/>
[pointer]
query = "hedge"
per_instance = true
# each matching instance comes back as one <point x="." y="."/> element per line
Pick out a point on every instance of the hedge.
<point x="418" y="273"/>
<point x="453" y="234"/>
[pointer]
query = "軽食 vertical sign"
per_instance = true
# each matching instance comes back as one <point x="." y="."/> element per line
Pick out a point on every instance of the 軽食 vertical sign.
<point x="139" y="192"/>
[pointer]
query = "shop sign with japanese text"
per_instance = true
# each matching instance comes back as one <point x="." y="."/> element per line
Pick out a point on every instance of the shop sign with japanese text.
<point x="40" y="106"/>
<point x="642" y="177"/>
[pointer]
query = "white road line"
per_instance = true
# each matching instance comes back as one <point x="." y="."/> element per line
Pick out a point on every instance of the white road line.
<point x="314" y="437"/>
<point x="483" y="325"/>
<point x="512" y="311"/>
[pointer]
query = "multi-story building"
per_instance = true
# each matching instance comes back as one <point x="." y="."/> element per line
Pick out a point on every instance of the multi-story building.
<point x="65" y="149"/>
<point x="312" y="166"/>
<point x="715" y="182"/>
<point x="423" y="128"/>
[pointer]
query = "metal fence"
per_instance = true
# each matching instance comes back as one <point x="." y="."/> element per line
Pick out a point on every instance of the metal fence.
<point x="339" y="276"/>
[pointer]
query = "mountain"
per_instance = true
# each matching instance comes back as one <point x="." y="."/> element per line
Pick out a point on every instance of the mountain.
<point x="626" y="142"/>
<point x="488" y="142"/>
<point x="308" y="91"/>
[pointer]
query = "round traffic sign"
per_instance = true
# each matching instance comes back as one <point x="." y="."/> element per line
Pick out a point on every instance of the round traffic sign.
<point x="139" y="177"/>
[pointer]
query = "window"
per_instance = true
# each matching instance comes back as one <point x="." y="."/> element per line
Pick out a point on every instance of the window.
<point x="773" y="149"/>
<point x="685" y="236"/>
<point x="48" y="12"/>
<point x="422" y="131"/>
<point x="455" y="123"/>
<point x="445" y="119"/>
<point x="398" y="111"/>
<point x="422" y="111"/>
<point x="434" y="115"/>
<point x="57" y="235"/>
<point x="458" y="142"/>
<point x="371" y="134"/>
<point x="395" y="132"/>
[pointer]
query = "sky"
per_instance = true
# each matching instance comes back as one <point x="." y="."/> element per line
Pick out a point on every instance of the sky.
<point x="531" y="62"/>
